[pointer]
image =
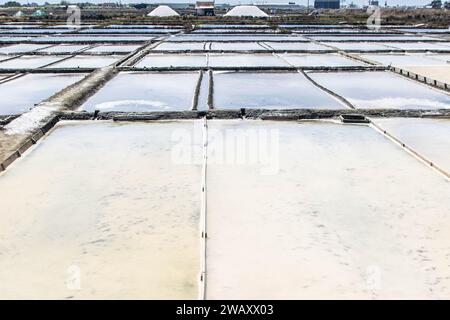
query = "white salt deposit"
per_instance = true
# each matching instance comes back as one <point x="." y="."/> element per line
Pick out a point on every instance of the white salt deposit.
<point x="246" y="11"/>
<point x="163" y="11"/>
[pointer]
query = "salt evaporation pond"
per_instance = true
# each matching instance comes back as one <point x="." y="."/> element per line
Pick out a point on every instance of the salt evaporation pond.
<point x="241" y="38"/>
<point x="245" y="60"/>
<point x="360" y="46"/>
<point x="441" y="46"/>
<point x="172" y="60"/>
<point x="429" y="137"/>
<point x="21" y="94"/>
<point x="237" y="46"/>
<point x="111" y="213"/>
<point x="92" y="39"/>
<point x="29" y="62"/>
<point x="14" y="39"/>
<point x="64" y="48"/>
<point x="307" y="46"/>
<point x="402" y="59"/>
<point x="180" y="46"/>
<point x="113" y="48"/>
<point x="379" y="90"/>
<point x="86" y="62"/>
<point x="320" y="60"/>
<point x="323" y="211"/>
<point x="441" y="57"/>
<point x="234" y="90"/>
<point x="372" y="38"/>
<point x="130" y="30"/>
<point x="21" y="48"/>
<point x="141" y="91"/>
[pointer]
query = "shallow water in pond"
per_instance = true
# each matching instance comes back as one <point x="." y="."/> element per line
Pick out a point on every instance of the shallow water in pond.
<point x="362" y="46"/>
<point x="403" y="60"/>
<point x="420" y="45"/>
<point x="21" y="94"/>
<point x="245" y="60"/>
<point x="234" y="90"/>
<point x="180" y="46"/>
<point x="378" y="90"/>
<point x="29" y="62"/>
<point x="320" y="225"/>
<point x="21" y="48"/>
<point x="308" y="46"/>
<point x="172" y="60"/>
<point x="102" y="222"/>
<point x="140" y="91"/>
<point x="113" y="48"/>
<point x="238" y="46"/>
<point x="429" y="137"/>
<point x="86" y="62"/>
<point x="320" y="60"/>
<point x="64" y="48"/>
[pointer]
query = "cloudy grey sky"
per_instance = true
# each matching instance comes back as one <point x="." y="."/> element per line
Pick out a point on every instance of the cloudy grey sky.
<point x="359" y="2"/>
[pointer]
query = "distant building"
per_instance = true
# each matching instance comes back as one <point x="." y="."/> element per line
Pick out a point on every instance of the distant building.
<point x="204" y="8"/>
<point x="374" y="3"/>
<point x="327" y="4"/>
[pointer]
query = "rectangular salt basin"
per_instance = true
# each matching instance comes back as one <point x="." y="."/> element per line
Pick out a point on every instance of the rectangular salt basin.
<point x="64" y="48"/>
<point x="23" y="93"/>
<point x="245" y="60"/>
<point x="236" y="46"/>
<point x="360" y="46"/>
<point x="36" y="31"/>
<point x="129" y="30"/>
<point x="29" y="62"/>
<point x="109" y="214"/>
<point x="141" y="91"/>
<point x="326" y="211"/>
<point x="402" y="59"/>
<point x="180" y="46"/>
<point x="172" y="61"/>
<point x="381" y="90"/>
<point x="86" y="62"/>
<point x="21" y="48"/>
<point x="320" y="60"/>
<point x="442" y="46"/>
<point x="234" y="90"/>
<point x="372" y="38"/>
<point x="92" y="39"/>
<point x="306" y="46"/>
<point x="441" y="57"/>
<point x="251" y="38"/>
<point x="429" y="137"/>
<point x="439" y="73"/>
<point x="113" y="48"/>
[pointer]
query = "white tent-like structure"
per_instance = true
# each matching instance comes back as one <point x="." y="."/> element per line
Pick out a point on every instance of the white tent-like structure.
<point x="163" y="11"/>
<point x="246" y="11"/>
<point x="18" y="14"/>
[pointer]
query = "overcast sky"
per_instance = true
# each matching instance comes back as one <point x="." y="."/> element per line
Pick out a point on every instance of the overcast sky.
<point x="359" y="2"/>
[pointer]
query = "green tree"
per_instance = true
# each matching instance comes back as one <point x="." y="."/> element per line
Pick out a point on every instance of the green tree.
<point x="12" y="4"/>
<point x="436" y="4"/>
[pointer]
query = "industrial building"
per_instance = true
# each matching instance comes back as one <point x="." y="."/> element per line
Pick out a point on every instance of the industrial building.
<point x="327" y="4"/>
<point x="204" y="8"/>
